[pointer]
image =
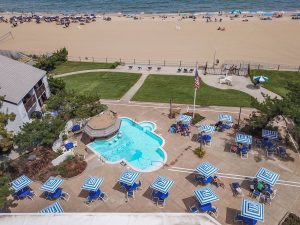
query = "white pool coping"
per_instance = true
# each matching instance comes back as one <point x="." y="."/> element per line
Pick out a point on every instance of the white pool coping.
<point x="123" y="160"/>
<point x="107" y="219"/>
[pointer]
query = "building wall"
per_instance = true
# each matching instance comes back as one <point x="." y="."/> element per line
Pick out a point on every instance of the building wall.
<point x="20" y="116"/>
<point x="45" y="81"/>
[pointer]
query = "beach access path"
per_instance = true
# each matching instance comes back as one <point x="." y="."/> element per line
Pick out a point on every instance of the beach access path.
<point x="239" y="83"/>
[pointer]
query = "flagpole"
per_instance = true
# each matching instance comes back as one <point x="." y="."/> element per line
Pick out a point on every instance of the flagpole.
<point x="195" y="91"/>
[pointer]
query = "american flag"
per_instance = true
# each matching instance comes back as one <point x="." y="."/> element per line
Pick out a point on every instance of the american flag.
<point x="197" y="80"/>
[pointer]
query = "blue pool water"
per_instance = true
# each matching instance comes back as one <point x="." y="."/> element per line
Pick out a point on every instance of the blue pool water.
<point x="135" y="144"/>
<point x="147" y="125"/>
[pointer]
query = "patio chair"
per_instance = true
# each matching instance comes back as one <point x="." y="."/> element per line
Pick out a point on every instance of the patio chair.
<point x="185" y="70"/>
<point x="236" y="189"/>
<point x="265" y="199"/>
<point x="158" y="68"/>
<point x="281" y="152"/>
<point x="25" y="193"/>
<point x="273" y="194"/>
<point x="238" y="218"/>
<point x="227" y="80"/>
<point x="103" y="196"/>
<point x="130" y="67"/>
<point x="191" y="70"/>
<point x="129" y="194"/>
<point x="244" y="154"/>
<point x="179" y="70"/>
<point x="255" y="193"/>
<point x="194" y="209"/>
<point x="213" y="212"/>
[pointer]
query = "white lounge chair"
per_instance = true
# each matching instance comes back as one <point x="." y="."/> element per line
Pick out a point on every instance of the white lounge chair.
<point x="226" y="80"/>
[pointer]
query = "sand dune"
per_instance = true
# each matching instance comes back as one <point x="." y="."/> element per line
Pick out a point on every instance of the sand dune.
<point x="275" y="41"/>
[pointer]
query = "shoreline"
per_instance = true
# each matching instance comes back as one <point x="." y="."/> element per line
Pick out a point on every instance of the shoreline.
<point x="195" y="13"/>
<point x="157" y="38"/>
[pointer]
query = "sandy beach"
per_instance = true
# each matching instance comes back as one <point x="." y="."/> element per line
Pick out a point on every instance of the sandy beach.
<point x="275" y="41"/>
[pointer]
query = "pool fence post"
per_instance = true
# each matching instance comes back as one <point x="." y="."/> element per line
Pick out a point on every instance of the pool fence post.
<point x="278" y="67"/>
<point x="133" y="61"/>
<point x="258" y="66"/>
<point x="299" y="69"/>
<point x="180" y="63"/>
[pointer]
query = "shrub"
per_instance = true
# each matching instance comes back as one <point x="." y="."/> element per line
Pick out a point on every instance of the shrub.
<point x="292" y="219"/>
<point x="4" y="190"/>
<point x="197" y="117"/>
<point x="200" y="152"/>
<point x="64" y="137"/>
<point x="49" y="63"/>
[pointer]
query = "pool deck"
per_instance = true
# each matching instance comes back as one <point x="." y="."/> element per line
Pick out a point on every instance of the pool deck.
<point x="181" y="161"/>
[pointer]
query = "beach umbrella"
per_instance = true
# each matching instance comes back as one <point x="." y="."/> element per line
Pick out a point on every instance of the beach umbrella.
<point x="162" y="184"/>
<point x="224" y="117"/>
<point x="205" y="195"/>
<point x="252" y="210"/>
<point x="271" y="135"/>
<point x="206" y="169"/>
<point x="184" y="119"/>
<point x="261" y="79"/>
<point x="20" y="183"/>
<point x="129" y="177"/>
<point x="92" y="183"/>
<point x="243" y="139"/>
<point x="267" y="176"/>
<point x="54" y="208"/>
<point x="52" y="184"/>
<point x="207" y="129"/>
<point x="236" y="11"/>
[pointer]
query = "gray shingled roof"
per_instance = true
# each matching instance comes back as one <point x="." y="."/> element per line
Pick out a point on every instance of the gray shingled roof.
<point x="17" y="79"/>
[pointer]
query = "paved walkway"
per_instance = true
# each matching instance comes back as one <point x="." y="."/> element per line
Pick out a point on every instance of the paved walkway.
<point x="239" y="83"/>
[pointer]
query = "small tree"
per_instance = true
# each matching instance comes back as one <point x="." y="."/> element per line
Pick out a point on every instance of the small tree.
<point x="4" y="191"/>
<point x="6" y="138"/>
<point x="56" y="85"/>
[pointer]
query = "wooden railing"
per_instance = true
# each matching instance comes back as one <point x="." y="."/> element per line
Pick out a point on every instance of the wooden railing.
<point x="30" y="103"/>
<point x="40" y="90"/>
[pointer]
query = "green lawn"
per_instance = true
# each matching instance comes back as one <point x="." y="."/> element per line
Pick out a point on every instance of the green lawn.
<point x="277" y="80"/>
<point x="160" y="88"/>
<point x="110" y="85"/>
<point x="71" y="66"/>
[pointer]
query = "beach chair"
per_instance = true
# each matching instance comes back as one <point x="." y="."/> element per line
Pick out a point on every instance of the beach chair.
<point x="238" y="218"/>
<point x="129" y="194"/>
<point x="213" y="212"/>
<point x="194" y="209"/>
<point x="244" y="154"/>
<point x="281" y="152"/>
<point x="25" y="193"/>
<point x="236" y="189"/>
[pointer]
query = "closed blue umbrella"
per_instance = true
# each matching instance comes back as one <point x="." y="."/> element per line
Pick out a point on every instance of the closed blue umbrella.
<point x="261" y="79"/>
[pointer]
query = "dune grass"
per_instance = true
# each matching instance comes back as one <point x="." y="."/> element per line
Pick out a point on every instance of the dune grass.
<point x="110" y="85"/>
<point x="72" y="66"/>
<point x="161" y="88"/>
<point x="278" y="80"/>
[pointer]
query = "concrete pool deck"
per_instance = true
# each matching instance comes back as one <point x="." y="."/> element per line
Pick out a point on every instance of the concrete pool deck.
<point x="180" y="164"/>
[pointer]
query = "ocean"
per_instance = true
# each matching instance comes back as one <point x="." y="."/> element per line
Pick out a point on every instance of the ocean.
<point x="147" y="6"/>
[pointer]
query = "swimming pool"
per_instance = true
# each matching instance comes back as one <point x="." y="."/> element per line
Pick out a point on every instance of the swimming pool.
<point x="136" y="144"/>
